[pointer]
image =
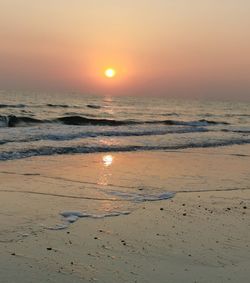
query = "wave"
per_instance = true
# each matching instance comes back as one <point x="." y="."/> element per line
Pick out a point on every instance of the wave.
<point x="61" y="106"/>
<point x="46" y="151"/>
<point x="82" y="121"/>
<point x="170" y="114"/>
<point x="93" y="106"/>
<point x="236" y="131"/>
<point x="76" y="120"/>
<point x="123" y="133"/>
<point x="201" y="122"/>
<point x="79" y="120"/>
<point x="12" y="105"/>
<point x="39" y="106"/>
<point x="13" y="121"/>
<point x="57" y="105"/>
<point x="17" y="121"/>
<point x="237" y="115"/>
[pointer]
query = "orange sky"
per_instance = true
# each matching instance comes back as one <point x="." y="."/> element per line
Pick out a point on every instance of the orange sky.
<point x="174" y="48"/>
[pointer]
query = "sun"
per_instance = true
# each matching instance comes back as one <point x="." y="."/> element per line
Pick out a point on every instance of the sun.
<point x="110" y="73"/>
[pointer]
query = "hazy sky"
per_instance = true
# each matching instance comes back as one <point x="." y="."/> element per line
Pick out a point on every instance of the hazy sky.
<point x="186" y="48"/>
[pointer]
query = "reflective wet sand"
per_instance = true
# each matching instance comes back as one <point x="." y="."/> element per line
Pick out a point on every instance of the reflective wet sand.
<point x="201" y="234"/>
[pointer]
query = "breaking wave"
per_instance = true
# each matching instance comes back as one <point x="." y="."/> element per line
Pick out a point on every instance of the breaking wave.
<point x="109" y="133"/>
<point x="21" y="121"/>
<point x="12" y="105"/>
<point x="46" y="151"/>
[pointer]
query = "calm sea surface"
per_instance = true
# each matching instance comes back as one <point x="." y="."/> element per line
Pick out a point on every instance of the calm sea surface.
<point x="35" y="124"/>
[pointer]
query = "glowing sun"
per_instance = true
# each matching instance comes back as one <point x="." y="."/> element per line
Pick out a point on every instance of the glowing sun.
<point x="110" y="73"/>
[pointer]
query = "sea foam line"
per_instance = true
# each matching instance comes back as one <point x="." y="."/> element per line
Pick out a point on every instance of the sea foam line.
<point x="48" y="151"/>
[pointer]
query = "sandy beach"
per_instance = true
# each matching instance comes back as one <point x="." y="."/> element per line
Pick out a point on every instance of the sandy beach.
<point x="201" y="234"/>
<point x="124" y="141"/>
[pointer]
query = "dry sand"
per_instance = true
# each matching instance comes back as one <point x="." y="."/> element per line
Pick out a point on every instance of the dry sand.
<point x="199" y="236"/>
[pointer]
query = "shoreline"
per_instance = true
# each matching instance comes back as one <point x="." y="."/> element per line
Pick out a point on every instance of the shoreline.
<point x="193" y="237"/>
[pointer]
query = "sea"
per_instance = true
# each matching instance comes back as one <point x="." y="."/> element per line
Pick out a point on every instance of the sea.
<point x="51" y="124"/>
<point x="43" y="124"/>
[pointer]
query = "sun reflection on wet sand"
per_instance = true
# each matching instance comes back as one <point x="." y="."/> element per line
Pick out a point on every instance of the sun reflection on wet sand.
<point x="105" y="173"/>
<point x="107" y="160"/>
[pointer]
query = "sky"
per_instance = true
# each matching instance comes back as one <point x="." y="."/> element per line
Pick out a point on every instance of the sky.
<point x="172" y="48"/>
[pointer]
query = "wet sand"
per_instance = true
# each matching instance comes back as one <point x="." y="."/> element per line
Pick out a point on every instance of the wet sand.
<point x="200" y="235"/>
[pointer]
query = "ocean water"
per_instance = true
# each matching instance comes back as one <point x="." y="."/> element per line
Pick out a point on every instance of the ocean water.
<point x="36" y="124"/>
<point x="50" y="124"/>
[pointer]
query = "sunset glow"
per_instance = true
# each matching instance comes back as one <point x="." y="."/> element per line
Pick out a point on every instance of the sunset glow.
<point x="110" y="73"/>
<point x="180" y="49"/>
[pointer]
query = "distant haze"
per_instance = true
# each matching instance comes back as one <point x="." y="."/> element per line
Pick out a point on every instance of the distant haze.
<point x="172" y="48"/>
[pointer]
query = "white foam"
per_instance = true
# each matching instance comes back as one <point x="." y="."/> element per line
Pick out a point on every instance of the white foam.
<point x="67" y="214"/>
<point x="58" y="227"/>
<point x="70" y="217"/>
<point x="142" y="197"/>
